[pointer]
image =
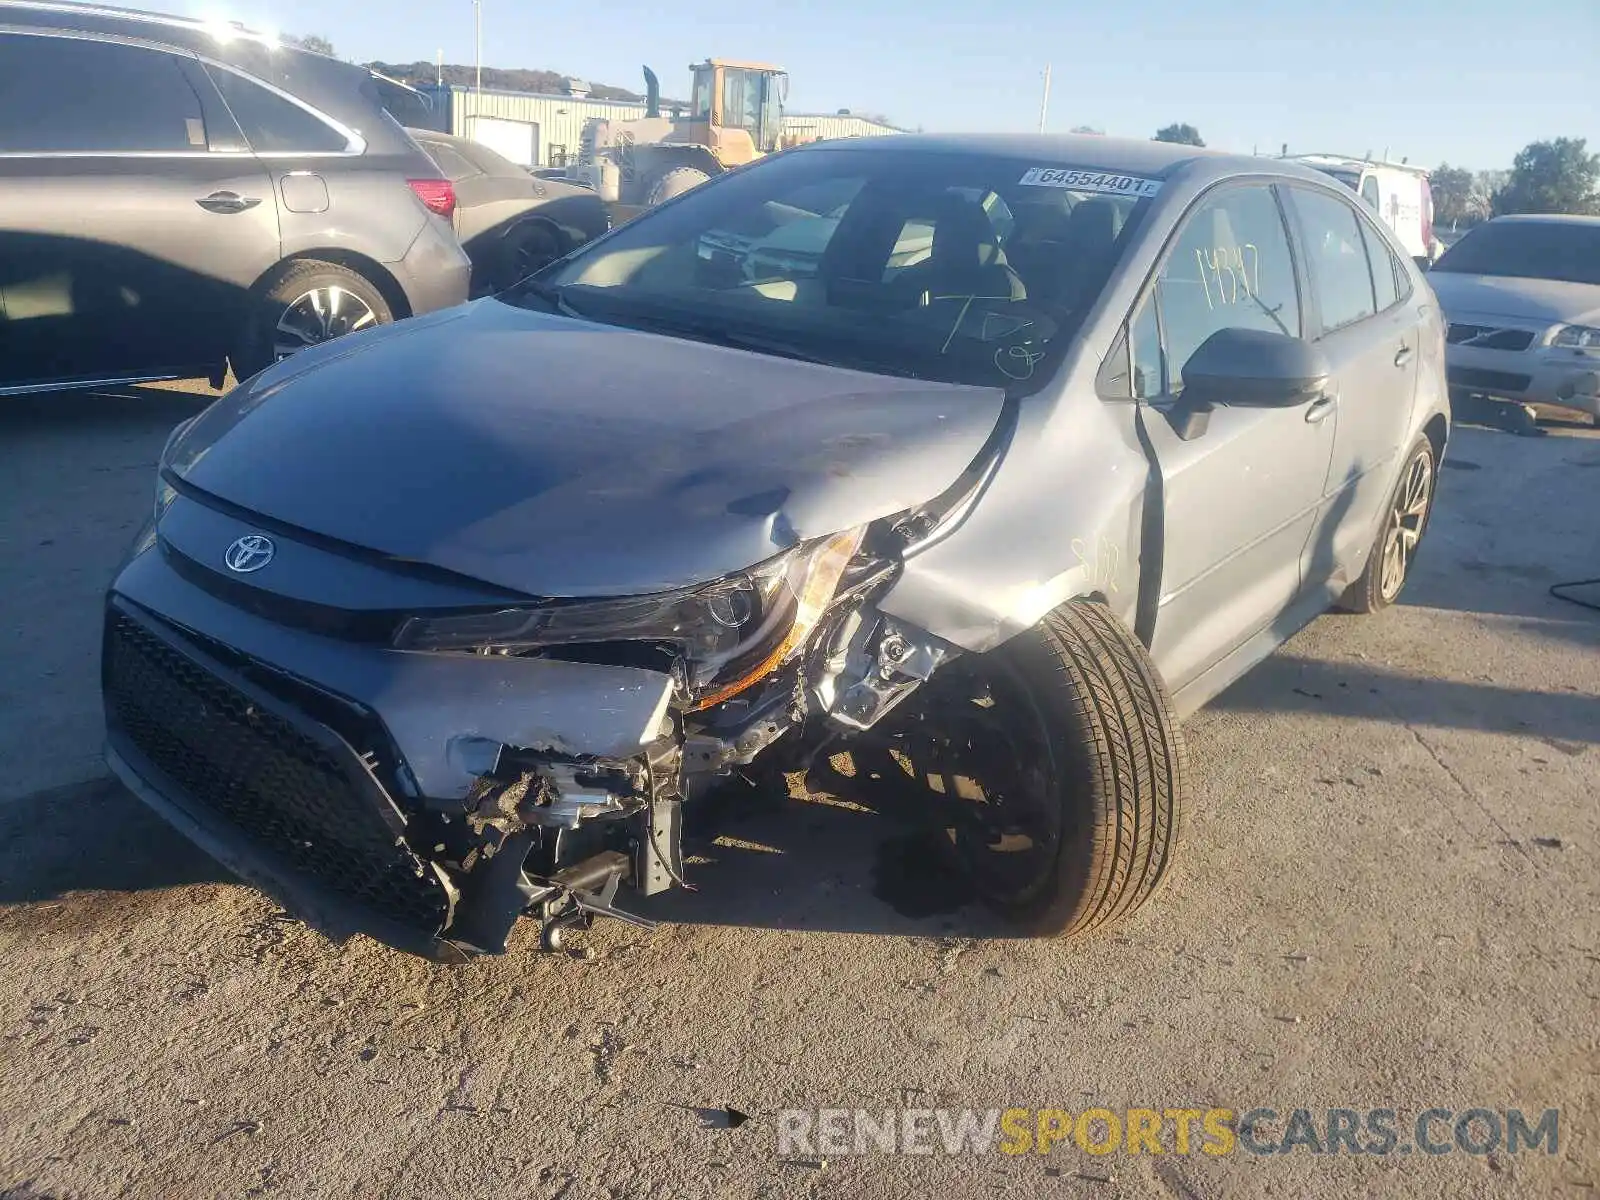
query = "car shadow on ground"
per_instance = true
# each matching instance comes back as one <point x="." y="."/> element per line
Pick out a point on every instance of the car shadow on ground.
<point x="136" y="407"/>
<point x="92" y="837"/>
<point x="850" y="845"/>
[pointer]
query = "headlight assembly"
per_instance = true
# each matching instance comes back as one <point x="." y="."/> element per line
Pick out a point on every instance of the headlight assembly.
<point x="165" y="492"/>
<point x="731" y="633"/>
<point x="1577" y="337"/>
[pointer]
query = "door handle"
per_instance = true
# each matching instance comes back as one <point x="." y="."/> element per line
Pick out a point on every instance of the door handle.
<point x="227" y="202"/>
<point x="1321" y="408"/>
<point x="1402" y="356"/>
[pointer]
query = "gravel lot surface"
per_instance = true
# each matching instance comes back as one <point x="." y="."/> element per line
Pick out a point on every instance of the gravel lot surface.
<point x="1388" y="899"/>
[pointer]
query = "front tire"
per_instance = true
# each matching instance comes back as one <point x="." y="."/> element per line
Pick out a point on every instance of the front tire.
<point x="1405" y="521"/>
<point x="304" y="303"/>
<point x="1063" y="746"/>
<point x="673" y="183"/>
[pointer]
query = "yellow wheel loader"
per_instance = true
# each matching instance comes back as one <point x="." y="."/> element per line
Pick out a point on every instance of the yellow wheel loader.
<point x="734" y="117"/>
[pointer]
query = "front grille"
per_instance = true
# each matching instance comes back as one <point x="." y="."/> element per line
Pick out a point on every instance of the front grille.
<point x="300" y="797"/>
<point x="1489" y="337"/>
<point x="1489" y="381"/>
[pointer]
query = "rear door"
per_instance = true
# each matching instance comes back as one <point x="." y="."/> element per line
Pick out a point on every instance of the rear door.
<point x="1370" y="334"/>
<point x="1241" y="499"/>
<point x="132" y="219"/>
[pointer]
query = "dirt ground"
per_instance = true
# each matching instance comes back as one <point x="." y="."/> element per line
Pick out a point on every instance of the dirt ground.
<point x="1388" y="898"/>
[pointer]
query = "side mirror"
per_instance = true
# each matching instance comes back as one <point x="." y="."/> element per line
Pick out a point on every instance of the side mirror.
<point x="1252" y="368"/>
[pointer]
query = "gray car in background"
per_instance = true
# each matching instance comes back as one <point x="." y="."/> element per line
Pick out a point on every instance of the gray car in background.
<point x="177" y="196"/>
<point x="1522" y="295"/>
<point x="450" y="623"/>
<point x="510" y="221"/>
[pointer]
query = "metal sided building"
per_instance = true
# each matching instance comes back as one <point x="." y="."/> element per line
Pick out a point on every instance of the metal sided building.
<point x="543" y="131"/>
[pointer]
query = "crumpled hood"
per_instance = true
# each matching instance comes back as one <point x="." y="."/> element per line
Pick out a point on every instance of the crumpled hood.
<point x="558" y="457"/>
<point x="1551" y="301"/>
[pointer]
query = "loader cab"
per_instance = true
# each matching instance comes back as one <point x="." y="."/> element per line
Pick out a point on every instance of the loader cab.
<point x="737" y="97"/>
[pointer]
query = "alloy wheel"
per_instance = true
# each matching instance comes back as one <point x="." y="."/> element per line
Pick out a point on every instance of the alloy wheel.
<point x="976" y="741"/>
<point x="320" y="315"/>
<point x="1406" y="522"/>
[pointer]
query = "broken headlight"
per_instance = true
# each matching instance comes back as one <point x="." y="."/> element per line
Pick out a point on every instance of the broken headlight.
<point x="731" y="634"/>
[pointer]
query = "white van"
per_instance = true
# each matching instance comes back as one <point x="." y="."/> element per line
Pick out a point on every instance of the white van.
<point x="1396" y="192"/>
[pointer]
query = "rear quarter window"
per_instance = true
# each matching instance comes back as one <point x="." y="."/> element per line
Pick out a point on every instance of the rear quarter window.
<point x="274" y="124"/>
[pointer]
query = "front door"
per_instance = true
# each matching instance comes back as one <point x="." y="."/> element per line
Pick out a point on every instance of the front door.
<point x="1240" y="499"/>
<point x="128" y="240"/>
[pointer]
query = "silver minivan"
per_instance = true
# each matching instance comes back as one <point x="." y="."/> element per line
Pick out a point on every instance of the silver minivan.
<point x="178" y="197"/>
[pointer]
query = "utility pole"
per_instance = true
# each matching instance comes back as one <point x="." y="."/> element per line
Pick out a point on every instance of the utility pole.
<point x="1044" y="103"/>
<point x="477" y="23"/>
<point x="438" y="68"/>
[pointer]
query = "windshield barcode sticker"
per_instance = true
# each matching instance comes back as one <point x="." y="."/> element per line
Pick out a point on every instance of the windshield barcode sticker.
<point x="1090" y="181"/>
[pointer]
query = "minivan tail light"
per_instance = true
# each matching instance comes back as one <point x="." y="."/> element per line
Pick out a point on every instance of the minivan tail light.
<point x="437" y="195"/>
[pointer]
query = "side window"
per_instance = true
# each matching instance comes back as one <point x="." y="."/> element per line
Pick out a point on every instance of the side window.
<point x="66" y="95"/>
<point x="1337" y="258"/>
<point x="1231" y="268"/>
<point x="1144" y="347"/>
<point x="271" y="123"/>
<point x="1369" y="193"/>
<point x="1386" y="291"/>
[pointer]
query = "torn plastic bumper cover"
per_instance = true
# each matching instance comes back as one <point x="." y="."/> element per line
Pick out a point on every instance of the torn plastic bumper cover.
<point x="395" y="796"/>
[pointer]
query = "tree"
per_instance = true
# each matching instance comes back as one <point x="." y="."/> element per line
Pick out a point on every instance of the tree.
<point x="1484" y="185"/>
<point x="1452" y="194"/>
<point x="1182" y="134"/>
<point x="313" y="42"/>
<point x="1089" y="129"/>
<point x="1559" y="176"/>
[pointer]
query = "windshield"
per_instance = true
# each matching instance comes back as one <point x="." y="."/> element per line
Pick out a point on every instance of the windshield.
<point x="1568" y="251"/>
<point x="948" y="267"/>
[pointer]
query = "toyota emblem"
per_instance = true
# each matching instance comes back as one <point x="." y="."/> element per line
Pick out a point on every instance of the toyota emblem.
<point x="249" y="553"/>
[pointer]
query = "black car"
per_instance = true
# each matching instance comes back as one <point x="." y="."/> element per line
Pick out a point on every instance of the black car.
<point x="177" y="196"/>
<point x="510" y="221"/>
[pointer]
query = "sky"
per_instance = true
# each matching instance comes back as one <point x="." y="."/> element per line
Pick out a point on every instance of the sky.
<point x="1465" y="81"/>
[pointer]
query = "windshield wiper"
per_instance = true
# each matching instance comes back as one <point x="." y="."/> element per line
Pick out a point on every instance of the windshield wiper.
<point x="553" y="294"/>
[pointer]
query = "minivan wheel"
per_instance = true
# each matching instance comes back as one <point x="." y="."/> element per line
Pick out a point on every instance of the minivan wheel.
<point x="1061" y="770"/>
<point x="1405" y="521"/>
<point x="302" y="304"/>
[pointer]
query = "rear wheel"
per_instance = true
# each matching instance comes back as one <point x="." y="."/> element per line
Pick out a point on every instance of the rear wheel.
<point x="302" y="304"/>
<point x="1406" y="520"/>
<point x="675" y="181"/>
<point x="527" y="248"/>
<point x="1060" y="771"/>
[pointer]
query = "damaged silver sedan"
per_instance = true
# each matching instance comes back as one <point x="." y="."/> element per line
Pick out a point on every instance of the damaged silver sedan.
<point x="999" y="455"/>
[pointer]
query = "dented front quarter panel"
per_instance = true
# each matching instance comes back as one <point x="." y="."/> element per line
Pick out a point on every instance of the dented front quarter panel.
<point x="1059" y="518"/>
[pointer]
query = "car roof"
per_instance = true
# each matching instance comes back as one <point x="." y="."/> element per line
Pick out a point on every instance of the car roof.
<point x="1545" y="219"/>
<point x="1134" y="156"/>
<point x="136" y="22"/>
<point x="1345" y="160"/>
<point x="327" y="84"/>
